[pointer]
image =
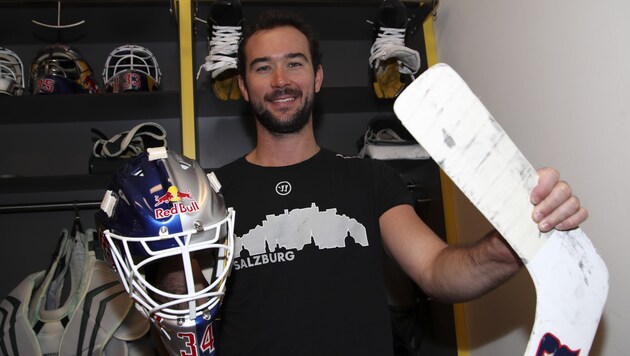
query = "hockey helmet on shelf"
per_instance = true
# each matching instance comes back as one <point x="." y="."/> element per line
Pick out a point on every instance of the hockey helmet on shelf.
<point x="11" y="73"/>
<point x="61" y="69"/>
<point x="131" y="68"/>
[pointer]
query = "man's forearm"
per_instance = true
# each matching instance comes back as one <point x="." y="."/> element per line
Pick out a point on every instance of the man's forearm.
<point x="465" y="272"/>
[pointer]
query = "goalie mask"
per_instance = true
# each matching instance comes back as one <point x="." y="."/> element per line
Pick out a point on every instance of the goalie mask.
<point x="131" y="68"/>
<point x="166" y="230"/>
<point x="11" y="73"/>
<point x="60" y="69"/>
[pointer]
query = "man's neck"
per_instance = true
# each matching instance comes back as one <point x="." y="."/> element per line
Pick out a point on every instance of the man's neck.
<point x="274" y="150"/>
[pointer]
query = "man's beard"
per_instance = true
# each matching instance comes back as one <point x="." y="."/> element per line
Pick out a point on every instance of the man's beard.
<point x="292" y="124"/>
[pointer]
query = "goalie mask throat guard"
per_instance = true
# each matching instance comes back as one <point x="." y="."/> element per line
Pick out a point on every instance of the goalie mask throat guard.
<point x="131" y="68"/>
<point x="11" y="73"/>
<point x="162" y="216"/>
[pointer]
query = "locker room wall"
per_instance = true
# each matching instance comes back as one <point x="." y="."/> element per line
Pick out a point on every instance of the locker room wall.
<point x="555" y="74"/>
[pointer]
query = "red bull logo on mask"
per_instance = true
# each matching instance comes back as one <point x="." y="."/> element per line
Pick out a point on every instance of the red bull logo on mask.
<point x="177" y="199"/>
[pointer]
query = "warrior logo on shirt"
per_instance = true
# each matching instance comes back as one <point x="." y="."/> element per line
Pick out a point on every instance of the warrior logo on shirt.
<point x="282" y="238"/>
<point x="283" y="188"/>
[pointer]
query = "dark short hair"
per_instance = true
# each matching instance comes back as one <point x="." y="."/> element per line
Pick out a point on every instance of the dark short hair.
<point x="272" y="19"/>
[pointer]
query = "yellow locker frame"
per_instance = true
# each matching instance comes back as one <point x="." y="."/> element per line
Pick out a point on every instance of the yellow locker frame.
<point x="459" y="316"/>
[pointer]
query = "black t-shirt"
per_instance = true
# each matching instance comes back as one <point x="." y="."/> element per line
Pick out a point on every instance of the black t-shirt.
<point x="308" y="273"/>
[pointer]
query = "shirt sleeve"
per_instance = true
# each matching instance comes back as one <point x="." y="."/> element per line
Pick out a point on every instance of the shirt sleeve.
<point x="390" y="188"/>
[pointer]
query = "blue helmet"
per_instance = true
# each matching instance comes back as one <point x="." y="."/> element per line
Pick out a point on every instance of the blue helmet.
<point x="60" y="69"/>
<point x="166" y="230"/>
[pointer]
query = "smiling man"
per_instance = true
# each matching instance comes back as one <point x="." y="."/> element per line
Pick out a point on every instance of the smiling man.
<point x="335" y="216"/>
<point x="280" y="83"/>
<point x="287" y="108"/>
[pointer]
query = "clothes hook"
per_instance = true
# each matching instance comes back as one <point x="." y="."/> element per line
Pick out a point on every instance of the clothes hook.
<point x="77" y="227"/>
<point x="174" y="10"/>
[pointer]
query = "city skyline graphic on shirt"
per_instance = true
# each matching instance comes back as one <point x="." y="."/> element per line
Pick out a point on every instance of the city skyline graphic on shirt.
<point x="301" y="228"/>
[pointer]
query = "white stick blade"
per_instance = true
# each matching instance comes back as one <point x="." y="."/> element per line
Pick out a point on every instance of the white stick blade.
<point x="450" y="122"/>
<point x="459" y="133"/>
<point x="571" y="281"/>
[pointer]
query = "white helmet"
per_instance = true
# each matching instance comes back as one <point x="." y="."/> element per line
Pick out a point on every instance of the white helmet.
<point x="131" y="68"/>
<point x="11" y="73"/>
<point x="162" y="215"/>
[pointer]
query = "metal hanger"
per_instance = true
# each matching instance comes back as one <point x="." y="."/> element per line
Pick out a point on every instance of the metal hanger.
<point x="58" y="25"/>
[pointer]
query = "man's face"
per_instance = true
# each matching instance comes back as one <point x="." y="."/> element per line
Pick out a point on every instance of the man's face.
<point x="280" y="81"/>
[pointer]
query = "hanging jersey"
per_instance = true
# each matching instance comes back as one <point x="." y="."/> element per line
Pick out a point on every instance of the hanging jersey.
<point x="76" y="307"/>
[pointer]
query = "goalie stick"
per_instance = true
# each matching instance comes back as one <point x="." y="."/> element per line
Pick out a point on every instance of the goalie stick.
<point x="459" y="133"/>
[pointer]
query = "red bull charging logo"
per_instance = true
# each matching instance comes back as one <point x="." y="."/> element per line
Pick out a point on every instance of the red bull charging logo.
<point x="177" y="198"/>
